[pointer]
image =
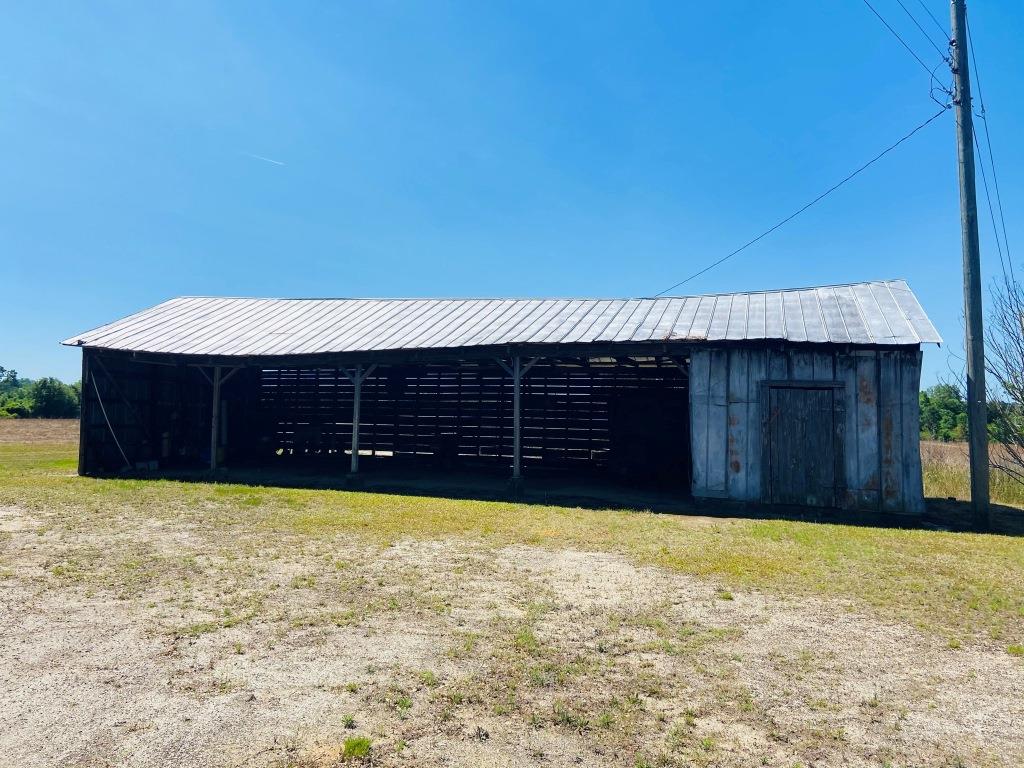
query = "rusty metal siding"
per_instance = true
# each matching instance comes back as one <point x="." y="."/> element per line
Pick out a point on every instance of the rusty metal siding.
<point x="880" y="457"/>
<point x="878" y="313"/>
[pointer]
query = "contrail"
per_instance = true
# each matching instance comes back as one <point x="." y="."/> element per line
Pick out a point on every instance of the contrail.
<point x="264" y="159"/>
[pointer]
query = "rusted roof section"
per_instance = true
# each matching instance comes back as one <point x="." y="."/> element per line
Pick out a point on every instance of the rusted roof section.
<point x="876" y="313"/>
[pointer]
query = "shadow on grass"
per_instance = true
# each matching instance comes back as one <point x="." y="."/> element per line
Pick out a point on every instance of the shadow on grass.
<point x="589" y="492"/>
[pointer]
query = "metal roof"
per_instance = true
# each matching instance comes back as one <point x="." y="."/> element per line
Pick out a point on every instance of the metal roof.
<point x="875" y="313"/>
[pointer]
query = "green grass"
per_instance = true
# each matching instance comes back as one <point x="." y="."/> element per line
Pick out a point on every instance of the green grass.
<point x="356" y="748"/>
<point x="955" y="583"/>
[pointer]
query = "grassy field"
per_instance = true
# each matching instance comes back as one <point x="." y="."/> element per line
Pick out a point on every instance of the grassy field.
<point x="946" y="475"/>
<point x="628" y="638"/>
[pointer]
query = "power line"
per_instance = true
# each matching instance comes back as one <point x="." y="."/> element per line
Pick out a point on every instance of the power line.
<point x="991" y="210"/>
<point x="898" y="37"/>
<point x="819" y="198"/>
<point x="942" y="30"/>
<point x="991" y="156"/>
<point x="926" y="35"/>
<point x="931" y="72"/>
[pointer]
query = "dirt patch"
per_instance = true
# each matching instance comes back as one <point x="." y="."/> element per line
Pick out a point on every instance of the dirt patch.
<point x="158" y="642"/>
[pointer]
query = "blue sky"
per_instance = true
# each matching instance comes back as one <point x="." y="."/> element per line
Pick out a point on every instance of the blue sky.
<point x="475" y="149"/>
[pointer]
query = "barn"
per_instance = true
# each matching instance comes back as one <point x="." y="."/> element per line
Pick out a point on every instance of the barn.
<point x="805" y="397"/>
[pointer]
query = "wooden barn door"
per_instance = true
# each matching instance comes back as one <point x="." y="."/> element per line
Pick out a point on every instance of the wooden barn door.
<point x="803" y="442"/>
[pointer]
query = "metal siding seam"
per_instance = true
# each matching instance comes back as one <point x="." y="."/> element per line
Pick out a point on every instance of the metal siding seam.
<point x="430" y="337"/>
<point x="788" y="319"/>
<point x="526" y="331"/>
<point x="161" y="336"/>
<point x="608" y="314"/>
<point x="375" y="320"/>
<point x="621" y="306"/>
<point x="644" y="331"/>
<point x="556" y="321"/>
<point x="842" y="318"/>
<point x="876" y="325"/>
<point x="227" y="340"/>
<point x="153" y="322"/>
<point x="472" y="336"/>
<point x="620" y="333"/>
<point x="667" y="321"/>
<point x="524" y="310"/>
<point x="391" y="326"/>
<point x="212" y="325"/>
<point x="757" y="308"/>
<point x="337" y="311"/>
<point x="570" y="323"/>
<point x="703" y="330"/>
<point x="852" y="299"/>
<point x="719" y="324"/>
<point x="915" y="313"/>
<point x="207" y="323"/>
<point x="406" y="330"/>
<point x="594" y="314"/>
<point x="892" y="315"/>
<point x="126" y="325"/>
<point x="903" y="314"/>
<point x="471" y="318"/>
<point x="687" y="313"/>
<point x="262" y="331"/>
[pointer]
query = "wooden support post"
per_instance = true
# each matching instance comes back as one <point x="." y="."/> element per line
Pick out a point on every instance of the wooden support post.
<point x="357" y="383"/>
<point x="215" y="419"/>
<point x="517" y="370"/>
<point x="517" y="447"/>
<point x="357" y="377"/>
<point x="83" y="417"/>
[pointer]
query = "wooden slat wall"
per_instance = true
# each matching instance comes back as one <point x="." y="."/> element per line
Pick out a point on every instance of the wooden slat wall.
<point x="459" y="413"/>
<point x="881" y="446"/>
<point x="159" y="413"/>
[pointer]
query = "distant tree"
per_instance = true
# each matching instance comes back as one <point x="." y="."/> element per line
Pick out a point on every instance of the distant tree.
<point x="15" y="406"/>
<point x="8" y="380"/>
<point x="943" y="413"/>
<point x="53" y="399"/>
<point x="46" y="398"/>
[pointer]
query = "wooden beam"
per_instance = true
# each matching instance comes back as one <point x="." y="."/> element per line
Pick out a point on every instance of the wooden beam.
<point x="357" y="392"/>
<point x="202" y="370"/>
<point x="357" y="377"/>
<point x="517" y="370"/>
<point x="517" y="447"/>
<point x="83" y="416"/>
<point x="215" y="418"/>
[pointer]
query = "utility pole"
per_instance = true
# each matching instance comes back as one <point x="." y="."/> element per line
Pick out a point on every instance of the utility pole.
<point x="975" y="335"/>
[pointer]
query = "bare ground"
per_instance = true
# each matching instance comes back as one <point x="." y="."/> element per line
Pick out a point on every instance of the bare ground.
<point x="154" y="642"/>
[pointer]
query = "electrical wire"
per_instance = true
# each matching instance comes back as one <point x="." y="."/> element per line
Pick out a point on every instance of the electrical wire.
<point x="943" y="54"/>
<point x="942" y="30"/>
<point x="818" y="199"/>
<point x="991" y="211"/>
<point x="898" y="37"/>
<point x="991" y="156"/>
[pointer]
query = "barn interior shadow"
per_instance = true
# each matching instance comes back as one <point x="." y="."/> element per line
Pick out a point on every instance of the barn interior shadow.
<point x="585" y="492"/>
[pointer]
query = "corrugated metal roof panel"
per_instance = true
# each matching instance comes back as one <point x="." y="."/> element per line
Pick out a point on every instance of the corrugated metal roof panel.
<point x="883" y="312"/>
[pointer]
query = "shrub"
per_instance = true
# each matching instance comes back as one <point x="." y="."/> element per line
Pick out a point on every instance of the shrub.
<point x="53" y="399"/>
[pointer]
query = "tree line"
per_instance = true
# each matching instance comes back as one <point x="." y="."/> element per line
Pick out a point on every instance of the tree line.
<point x="944" y="415"/>
<point x="46" y="398"/>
